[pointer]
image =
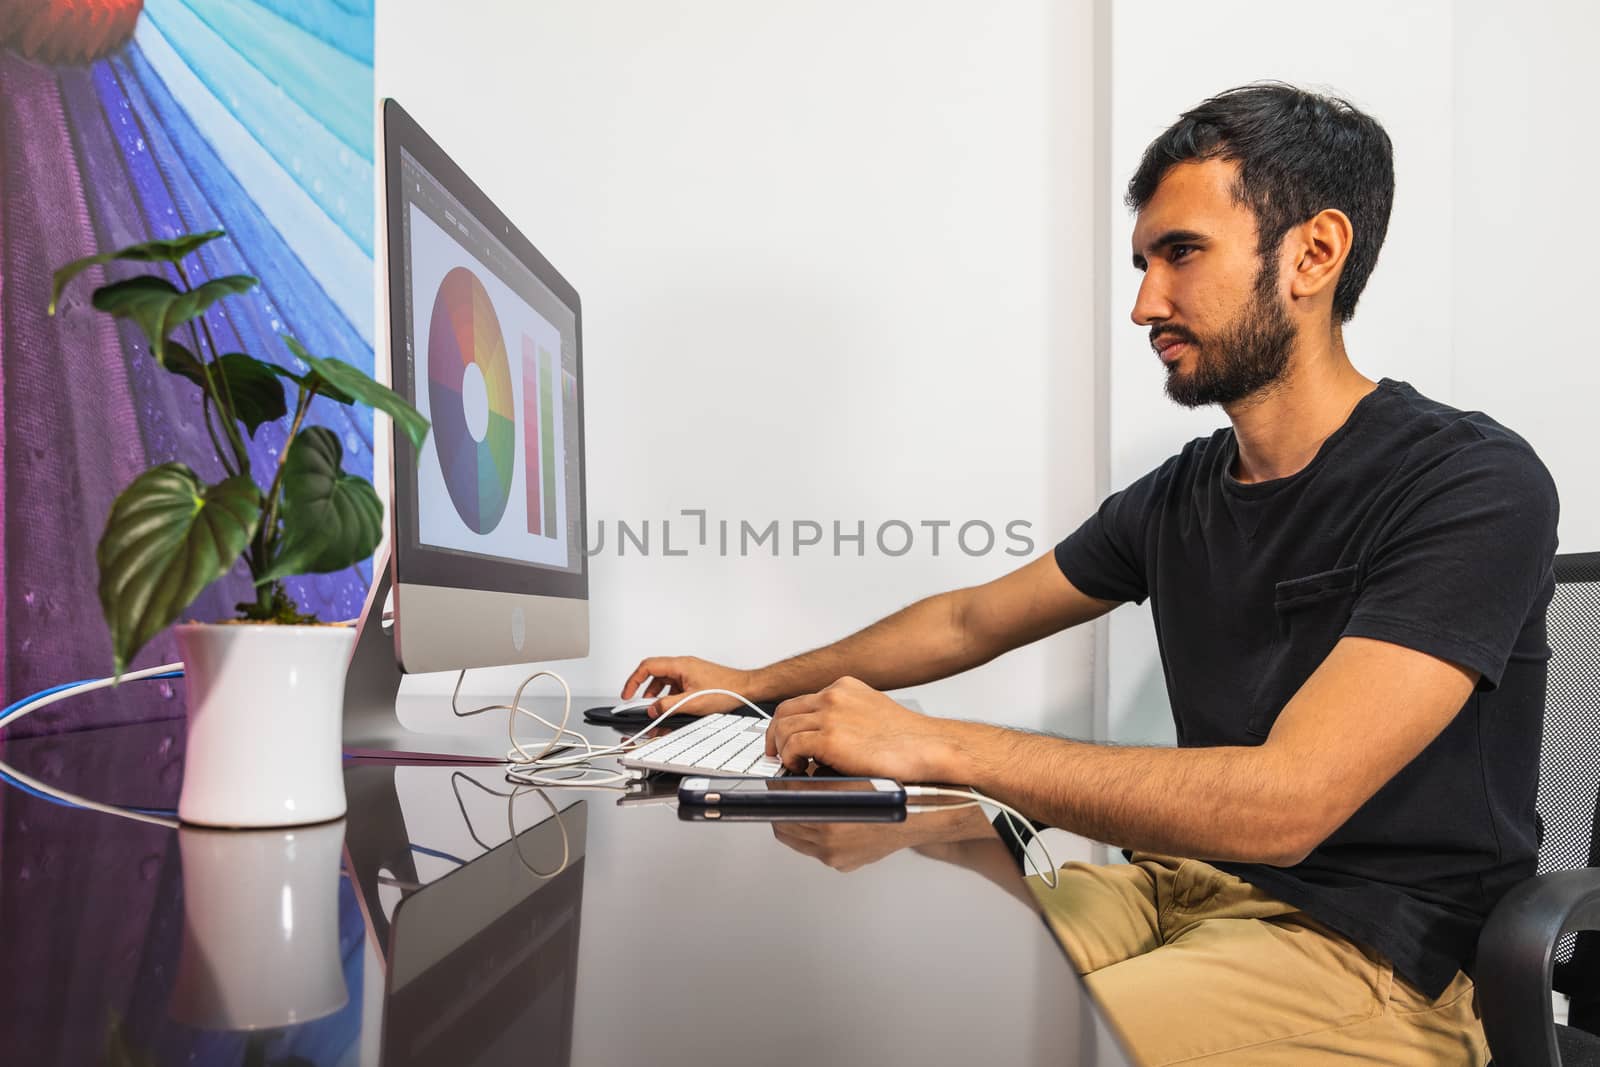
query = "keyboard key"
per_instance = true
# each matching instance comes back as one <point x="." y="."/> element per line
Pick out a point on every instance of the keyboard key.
<point x="723" y="755"/>
<point x="741" y="760"/>
<point x="712" y="744"/>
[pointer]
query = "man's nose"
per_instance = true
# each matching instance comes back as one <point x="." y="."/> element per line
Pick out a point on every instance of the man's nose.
<point x="1151" y="305"/>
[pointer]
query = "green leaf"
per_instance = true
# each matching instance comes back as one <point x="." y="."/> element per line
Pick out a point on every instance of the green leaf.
<point x="165" y="251"/>
<point x="168" y="537"/>
<point x="310" y="378"/>
<point x="347" y="384"/>
<point x="179" y="360"/>
<point x="330" y="519"/>
<point x="145" y="299"/>
<point x="169" y="250"/>
<point x="194" y="303"/>
<point x="159" y="307"/>
<point x="257" y="393"/>
<point x="253" y="384"/>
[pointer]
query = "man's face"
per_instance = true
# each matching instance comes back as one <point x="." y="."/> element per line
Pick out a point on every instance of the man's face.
<point x="1217" y="316"/>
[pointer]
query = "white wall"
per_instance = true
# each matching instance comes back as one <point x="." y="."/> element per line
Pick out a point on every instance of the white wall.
<point x="1525" y="161"/>
<point x="836" y="262"/>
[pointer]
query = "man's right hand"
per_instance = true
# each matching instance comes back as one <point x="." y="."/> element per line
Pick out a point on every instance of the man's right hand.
<point x="670" y="678"/>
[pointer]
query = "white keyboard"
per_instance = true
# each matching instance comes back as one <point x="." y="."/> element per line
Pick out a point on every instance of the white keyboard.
<point x="730" y="746"/>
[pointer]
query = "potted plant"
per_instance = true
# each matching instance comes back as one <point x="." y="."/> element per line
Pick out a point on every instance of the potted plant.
<point x="265" y="691"/>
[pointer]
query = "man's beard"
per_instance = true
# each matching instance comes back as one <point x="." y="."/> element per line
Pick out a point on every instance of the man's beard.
<point x="1250" y="354"/>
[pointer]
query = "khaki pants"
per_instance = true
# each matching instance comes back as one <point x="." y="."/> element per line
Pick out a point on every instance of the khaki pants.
<point x="1195" y="966"/>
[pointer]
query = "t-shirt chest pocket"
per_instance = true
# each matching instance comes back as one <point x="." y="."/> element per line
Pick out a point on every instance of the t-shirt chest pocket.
<point x="1310" y="615"/>
<point x="1325" y="593"/>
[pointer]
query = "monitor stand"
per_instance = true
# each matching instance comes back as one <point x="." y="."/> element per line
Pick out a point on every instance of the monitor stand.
<point x="372" y="725"/>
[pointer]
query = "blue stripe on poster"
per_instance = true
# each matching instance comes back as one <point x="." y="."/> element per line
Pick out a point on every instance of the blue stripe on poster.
<point x="333" y="175"/>
<point x="341" y="268"/>
<point x="345" y="24"/>
<point x="328" y="83"/>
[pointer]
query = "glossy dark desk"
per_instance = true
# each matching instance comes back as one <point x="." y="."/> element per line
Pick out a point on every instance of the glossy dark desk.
<point x="420" y="931"/>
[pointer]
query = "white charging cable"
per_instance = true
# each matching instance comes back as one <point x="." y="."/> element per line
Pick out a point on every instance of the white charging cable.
<point x="28" y="706"/>
<point x="32" y="704"/>
<point x="536" y="768"/>
<point x="516" y="838"/>
<point x="1050" y="880"/>
<point x="543" y="769"/>
<point x="546" y="768"/>
<point x="518" y="754"/>
<point x="84" y="802"/>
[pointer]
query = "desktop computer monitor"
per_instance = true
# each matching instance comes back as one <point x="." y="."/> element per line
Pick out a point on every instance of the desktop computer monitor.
<point x="485" y="555"/>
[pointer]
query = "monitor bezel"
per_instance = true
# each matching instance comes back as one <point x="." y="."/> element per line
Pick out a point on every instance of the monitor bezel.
<point x="416" y="563"/>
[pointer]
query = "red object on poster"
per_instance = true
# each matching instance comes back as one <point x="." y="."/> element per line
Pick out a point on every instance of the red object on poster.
<point x="67" y="31"/>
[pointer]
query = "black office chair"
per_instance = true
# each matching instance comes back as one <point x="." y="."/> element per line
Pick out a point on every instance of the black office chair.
<point x="1542" y="935"/>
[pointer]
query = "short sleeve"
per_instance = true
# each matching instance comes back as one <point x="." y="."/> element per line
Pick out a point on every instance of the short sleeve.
<point x="1466" y="560"/>
<point x="1105" y="557"/>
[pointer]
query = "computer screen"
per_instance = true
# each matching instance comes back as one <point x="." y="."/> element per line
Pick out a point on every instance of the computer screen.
<point x="491" y="358"/>
<point x="486" y="560"/>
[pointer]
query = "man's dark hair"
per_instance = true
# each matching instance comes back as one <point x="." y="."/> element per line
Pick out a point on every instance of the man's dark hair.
<point x="1298" y="153"/>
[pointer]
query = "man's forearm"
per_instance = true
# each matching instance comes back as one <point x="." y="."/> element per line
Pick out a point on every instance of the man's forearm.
<point x="1225" y="803"/>
<point x="917" y="644"/>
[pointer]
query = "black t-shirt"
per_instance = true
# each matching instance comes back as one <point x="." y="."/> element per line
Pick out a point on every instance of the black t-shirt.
<point x="1415" y="524"/>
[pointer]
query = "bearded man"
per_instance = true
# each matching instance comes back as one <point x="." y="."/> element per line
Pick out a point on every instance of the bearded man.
<point x="1348" y="583"/>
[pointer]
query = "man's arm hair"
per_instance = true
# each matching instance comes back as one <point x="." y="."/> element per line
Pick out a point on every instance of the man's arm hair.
<point x="943" y="634"/>
<point x="1366" y="712"/>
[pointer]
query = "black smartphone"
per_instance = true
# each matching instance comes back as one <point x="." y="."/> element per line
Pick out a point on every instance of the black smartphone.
<point x="791" y="792"/>
<point x="810" y="813"/>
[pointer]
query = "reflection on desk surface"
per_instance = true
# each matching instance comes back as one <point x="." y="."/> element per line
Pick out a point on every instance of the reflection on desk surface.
<point x="475" y="923"/>
<point x="481" y="961"/>
<point x="128" y="943"/>
<point x="958" y="834"/>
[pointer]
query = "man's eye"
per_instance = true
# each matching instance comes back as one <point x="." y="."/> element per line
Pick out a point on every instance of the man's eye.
<point x="1179" y="251"/>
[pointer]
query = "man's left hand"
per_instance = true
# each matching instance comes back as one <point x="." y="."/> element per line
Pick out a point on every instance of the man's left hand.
<point x="856" y="730"/>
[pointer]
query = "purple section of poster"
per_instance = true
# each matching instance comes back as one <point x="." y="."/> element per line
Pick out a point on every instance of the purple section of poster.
<point x="97" y="153"/>
<point x="72" y="438"/>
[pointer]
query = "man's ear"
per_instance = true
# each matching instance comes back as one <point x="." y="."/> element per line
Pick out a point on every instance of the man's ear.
<point x="1321" y="244"/>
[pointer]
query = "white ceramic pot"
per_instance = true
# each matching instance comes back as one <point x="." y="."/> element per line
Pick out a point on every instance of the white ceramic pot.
<point x="260" y="927"/>
<point x="265" y="730"/>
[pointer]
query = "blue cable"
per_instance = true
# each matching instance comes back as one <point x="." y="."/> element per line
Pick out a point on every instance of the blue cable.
<point x="13" y="708"/>
<point x="436" y="854"/>
<point x="24" y="787"/>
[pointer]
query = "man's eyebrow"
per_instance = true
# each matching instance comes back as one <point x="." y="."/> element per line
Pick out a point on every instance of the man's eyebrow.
<point x="1167" y="240"/>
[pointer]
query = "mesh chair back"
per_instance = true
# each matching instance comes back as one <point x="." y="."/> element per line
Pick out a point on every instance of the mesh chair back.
<point x="1569" y="759"/>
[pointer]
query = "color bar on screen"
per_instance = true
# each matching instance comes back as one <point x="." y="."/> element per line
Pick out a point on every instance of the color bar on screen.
<point x="547" y="436"/>
<point x="532" y="405"/>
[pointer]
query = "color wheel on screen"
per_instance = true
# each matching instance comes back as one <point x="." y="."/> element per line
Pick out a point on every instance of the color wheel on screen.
<point x="468" y="370"/>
